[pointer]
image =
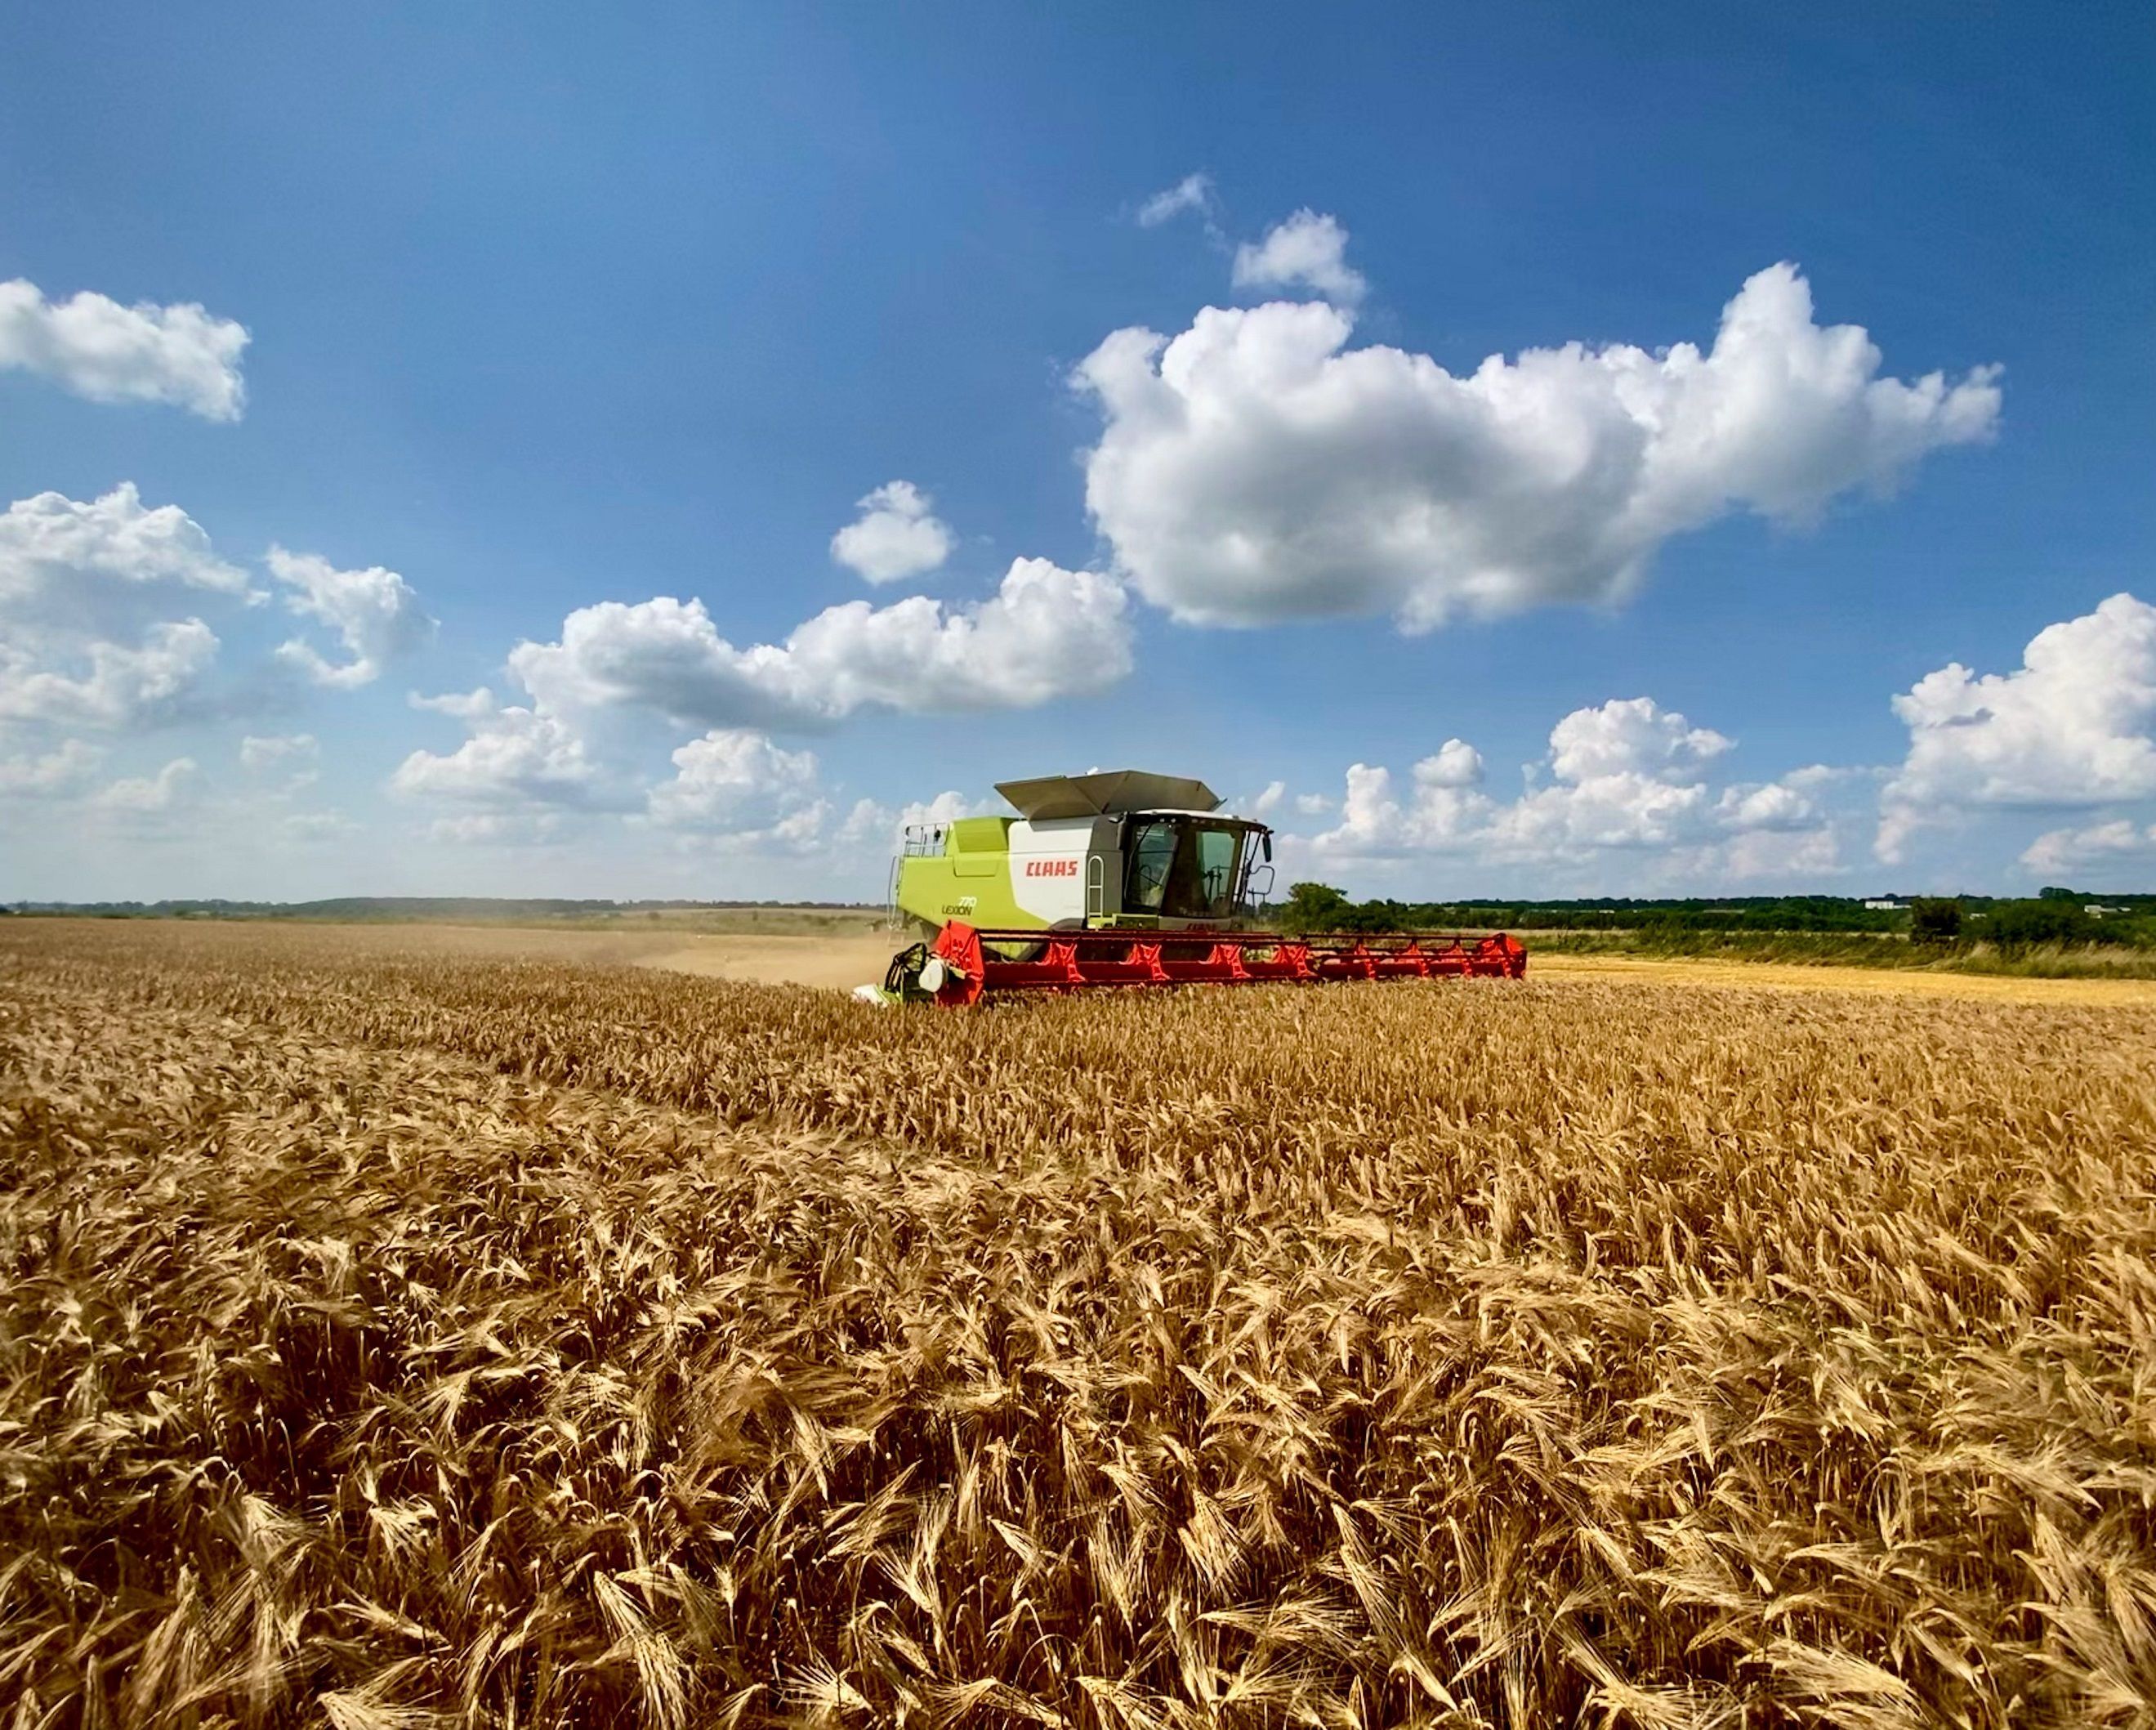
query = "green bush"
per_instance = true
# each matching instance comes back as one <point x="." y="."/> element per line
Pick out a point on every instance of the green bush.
<point x="1934" y="921"/>
<point x="1313" y="907"/>
<point x="2020" y="924"/>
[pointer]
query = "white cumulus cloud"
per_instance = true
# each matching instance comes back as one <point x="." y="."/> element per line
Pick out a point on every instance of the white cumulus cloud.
<point x="897" y="535"/>
<point x="515" y="758"/>
<point x="736" y="790"/>
<point x="79" y="583"/>
<point x="375" y="613"/>
<point x="1628" y="735"/>
<point x="2060" y="850"/>
<point x="2073" y="725"/>
<point x="736" y="780"/>
<point x="1255" y="468"/>
<point x="1776" y="806"/>
<point x="943" y="810"/>
<point x="1627" y="776"/>
<point x="175" y="787"/>
<point x="67" y="563"/>
<point x="871" y="826"/>
<point x="1308" y="251"/>
<point x="1457" y="764"/>
<point x="1046" y="633"/>
<point x="113" y="685"/>
<point x="107" y="352"/>
<point x="1378" y="820"/>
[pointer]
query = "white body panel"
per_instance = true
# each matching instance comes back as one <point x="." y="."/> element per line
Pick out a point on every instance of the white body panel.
<point x="1048" y="866"/>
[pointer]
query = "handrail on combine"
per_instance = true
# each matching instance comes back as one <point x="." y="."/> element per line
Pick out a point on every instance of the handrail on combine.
<point x="1080" y="960"/>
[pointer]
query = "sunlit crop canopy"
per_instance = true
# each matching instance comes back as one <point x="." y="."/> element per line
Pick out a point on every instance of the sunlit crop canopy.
<point x="1107" y="793"/>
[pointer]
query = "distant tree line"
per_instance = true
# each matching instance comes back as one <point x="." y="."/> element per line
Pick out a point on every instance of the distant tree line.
<point x="405" y="907"/>
<point x="2054" y="917"/>
<point x="2055" y="921"/>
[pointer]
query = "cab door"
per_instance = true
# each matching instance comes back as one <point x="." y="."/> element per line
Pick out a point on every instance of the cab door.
<point x="1149" y="846"/>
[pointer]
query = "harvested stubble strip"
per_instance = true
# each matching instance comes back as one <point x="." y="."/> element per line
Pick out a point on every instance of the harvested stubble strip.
<point x="388" y="1333"/>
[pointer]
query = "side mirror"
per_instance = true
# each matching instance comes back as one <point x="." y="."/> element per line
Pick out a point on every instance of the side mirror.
<point x="1268" y="841"/>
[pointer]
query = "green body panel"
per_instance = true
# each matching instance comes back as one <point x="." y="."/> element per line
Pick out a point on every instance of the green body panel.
<point x="974" y="887"/>
<point x="978" y="835"/>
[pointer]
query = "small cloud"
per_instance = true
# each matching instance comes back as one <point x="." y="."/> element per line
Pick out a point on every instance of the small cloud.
<point x="315" y="827"/>
<point x="870" y="824"/>
<point x="1825" y="774"/>
<point x="1776" y="806"/>
<point x="459" y="705"/>
<point x="1628" y="734"/>
<point x="1308" y="251"/>
<point x="498" y="829"/>
<point x="1194" y="192"/>
<point x="175" y="786"/>
<point x="291" y="756"/>
<point x="897" y="535"/>
<point x="375" y="613"/>
<point x="277" y="751"/>
<point x="54" y="776"/>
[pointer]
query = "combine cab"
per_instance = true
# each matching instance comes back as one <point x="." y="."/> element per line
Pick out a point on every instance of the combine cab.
<point x="1121" y="880"/>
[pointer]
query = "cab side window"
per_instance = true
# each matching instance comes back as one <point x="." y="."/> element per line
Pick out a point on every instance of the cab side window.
<point x="1153" y="857"/>
<point x="1218" y="851"/>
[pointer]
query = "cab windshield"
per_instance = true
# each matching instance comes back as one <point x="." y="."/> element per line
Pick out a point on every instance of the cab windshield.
<point x="1183" y="868"/>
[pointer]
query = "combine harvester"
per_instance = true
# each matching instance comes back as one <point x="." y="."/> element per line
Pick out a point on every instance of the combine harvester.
<point x="1122" y="879"/>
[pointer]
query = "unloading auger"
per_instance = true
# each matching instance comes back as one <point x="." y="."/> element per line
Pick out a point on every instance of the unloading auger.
<point x="1123" y="878"/>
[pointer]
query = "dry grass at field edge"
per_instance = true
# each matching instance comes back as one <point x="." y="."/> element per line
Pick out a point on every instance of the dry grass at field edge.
<point x="1870" y="981"/>
<point x="841" y="962"/>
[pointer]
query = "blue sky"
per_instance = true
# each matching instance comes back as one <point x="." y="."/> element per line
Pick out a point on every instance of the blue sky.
<point x="546" y="324"/>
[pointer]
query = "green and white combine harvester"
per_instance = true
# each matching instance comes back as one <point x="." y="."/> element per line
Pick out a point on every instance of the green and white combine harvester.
<point x="1123" y="879"/>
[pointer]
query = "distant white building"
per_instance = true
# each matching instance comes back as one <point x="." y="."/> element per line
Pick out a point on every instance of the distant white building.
<point x="1887" y="904"/>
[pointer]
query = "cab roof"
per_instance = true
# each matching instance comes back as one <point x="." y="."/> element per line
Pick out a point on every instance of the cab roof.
<point x="1108" y="793"/>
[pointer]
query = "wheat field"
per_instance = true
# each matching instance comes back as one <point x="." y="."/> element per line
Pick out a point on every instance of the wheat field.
<point x="394" y="1337"/>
